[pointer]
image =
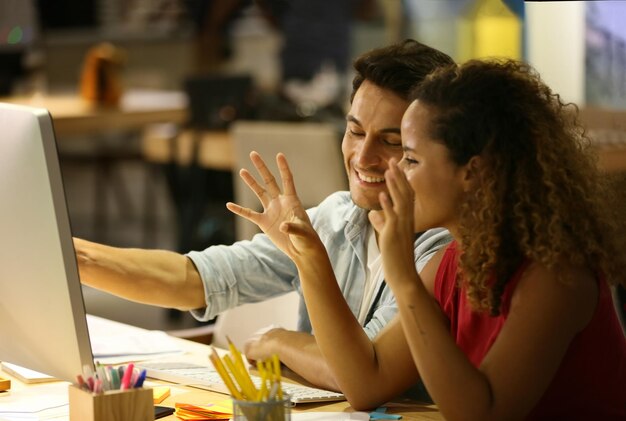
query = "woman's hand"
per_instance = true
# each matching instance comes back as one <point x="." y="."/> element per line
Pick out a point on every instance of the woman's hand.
<point x="394" y="224"/>
<point x="283" y="219"/>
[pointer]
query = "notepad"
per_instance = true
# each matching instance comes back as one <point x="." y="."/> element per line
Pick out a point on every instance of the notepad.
<point x="26" y="375"/>
<point x="160" y="393"/>
<point x="5" y="384"/>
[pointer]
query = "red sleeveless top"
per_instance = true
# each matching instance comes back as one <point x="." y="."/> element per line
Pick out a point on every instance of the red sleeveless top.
<point x="591" y="381"/>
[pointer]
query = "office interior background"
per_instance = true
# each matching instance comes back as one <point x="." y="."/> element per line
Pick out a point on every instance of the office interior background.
<point x="296" y="54"/>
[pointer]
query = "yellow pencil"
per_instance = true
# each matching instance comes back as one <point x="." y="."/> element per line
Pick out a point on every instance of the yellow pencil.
<point x="221" y="370"/>
<point x="238" y="359"/>
<point x="277" y="373"/>
<point x="262" y="395"/>
<point x="240" y="365"/>
<point x="243" y="379"/>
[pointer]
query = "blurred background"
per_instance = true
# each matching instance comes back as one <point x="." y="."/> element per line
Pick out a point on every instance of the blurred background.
<point x="185" y="76"/>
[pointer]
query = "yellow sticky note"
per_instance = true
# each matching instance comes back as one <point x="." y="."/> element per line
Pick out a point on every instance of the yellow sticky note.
<point x="159" y="393"/>
<point x="5" y="384"/>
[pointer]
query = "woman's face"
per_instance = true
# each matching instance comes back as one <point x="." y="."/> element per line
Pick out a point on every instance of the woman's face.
<point x="439" y="184"/>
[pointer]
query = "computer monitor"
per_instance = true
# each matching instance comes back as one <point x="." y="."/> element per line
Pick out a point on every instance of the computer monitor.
<point x="43" y="325"/>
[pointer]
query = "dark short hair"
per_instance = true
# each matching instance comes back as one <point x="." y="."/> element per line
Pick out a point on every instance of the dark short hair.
<point x="398" y="67"/>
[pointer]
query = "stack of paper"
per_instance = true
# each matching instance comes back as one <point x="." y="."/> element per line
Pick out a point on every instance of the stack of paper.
<point x="217" y="411"/>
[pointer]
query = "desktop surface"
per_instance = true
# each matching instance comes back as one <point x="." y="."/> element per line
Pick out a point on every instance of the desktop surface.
<point x="197" y="353"/>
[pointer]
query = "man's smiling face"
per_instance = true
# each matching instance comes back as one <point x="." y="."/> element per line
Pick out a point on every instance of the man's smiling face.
<point x="372" y="137"/>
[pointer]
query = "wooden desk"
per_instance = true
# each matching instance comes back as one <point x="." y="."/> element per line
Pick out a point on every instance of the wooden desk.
<point x="73" y="116"/>
<point x="411" y="412"/>
<point x="215" y="148"/>
<point x="198" y="353"/>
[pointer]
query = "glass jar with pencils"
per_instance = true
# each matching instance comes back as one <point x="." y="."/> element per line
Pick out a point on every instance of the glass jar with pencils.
<point x="265" y="410"/>
<point x="253" y="402"/>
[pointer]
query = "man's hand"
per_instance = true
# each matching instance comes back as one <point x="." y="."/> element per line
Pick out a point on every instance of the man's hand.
<point x="298" y="351"/>
<point x="262" y="344"/>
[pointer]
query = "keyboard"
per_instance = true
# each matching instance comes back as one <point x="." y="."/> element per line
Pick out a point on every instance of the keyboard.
<point x="205" y="377"/>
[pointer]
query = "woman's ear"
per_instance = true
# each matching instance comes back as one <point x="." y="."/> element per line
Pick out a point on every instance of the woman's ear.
<point x="471" y="173"/>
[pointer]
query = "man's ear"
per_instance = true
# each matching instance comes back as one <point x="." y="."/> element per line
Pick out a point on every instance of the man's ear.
<point x="471" y="173"/>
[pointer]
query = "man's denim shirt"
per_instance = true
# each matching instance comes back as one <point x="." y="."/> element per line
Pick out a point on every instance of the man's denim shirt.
<point x="252" y="271"/>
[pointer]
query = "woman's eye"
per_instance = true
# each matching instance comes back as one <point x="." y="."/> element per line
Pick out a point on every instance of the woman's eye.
<point x="355" y="133"/>
<point x="409" y="160"/>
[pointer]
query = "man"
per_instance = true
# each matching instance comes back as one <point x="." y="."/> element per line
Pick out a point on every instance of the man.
<point x="222" y="277"/>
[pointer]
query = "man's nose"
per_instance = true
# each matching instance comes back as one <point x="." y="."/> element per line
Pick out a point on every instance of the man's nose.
<point x="369" y="152"/>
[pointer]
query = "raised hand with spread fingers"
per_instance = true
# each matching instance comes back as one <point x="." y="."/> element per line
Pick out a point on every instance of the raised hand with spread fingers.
<point x="283" y="218"/>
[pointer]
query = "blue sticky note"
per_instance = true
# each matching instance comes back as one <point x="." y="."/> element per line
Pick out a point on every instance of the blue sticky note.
<point x="382" y="416"/>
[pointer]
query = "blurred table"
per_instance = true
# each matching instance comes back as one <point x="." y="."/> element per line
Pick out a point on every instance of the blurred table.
<point x="104" y="137"/>
<point x="214" y="147"/>
<point x="138" y="108"/>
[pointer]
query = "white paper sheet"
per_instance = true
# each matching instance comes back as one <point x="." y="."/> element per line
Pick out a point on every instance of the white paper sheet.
<point x="110" y="340"/>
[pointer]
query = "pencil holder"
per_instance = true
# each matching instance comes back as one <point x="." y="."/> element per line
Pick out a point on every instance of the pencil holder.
<point x="114" y="405"/>
<point x="271" y="410"/>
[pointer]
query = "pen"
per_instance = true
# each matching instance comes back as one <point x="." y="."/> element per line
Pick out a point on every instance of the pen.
<point x="101" y="375"/>
<point x="81" y="382"/>
<point x="97" y="386"/>
<point x="140" y="379"/>
<point x="128" y="372"/>
<point x="133" y="378"/>
<point x="91" y="384"/>
<point x="115" y="378"/>
<point x="87" y="372"/>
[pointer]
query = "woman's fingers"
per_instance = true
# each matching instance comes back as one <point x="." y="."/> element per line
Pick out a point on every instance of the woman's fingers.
<point x="289" y="187"/>
<point x="247" y="213"/>
<point x="400" y="191"/>
<point x="377" y="217"/>
<point x="266" y="174"/>
<point x="258" y="190"/>
<point x="393" y="183"/>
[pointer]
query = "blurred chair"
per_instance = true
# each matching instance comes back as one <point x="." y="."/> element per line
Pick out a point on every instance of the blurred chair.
<point x="314" y="154"/>
<point x="240" y="323"/>
<point x="313" y="151"/>
<point x="198" y="192"/>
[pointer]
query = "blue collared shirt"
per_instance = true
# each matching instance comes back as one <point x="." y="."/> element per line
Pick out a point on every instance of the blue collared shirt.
<point x="255" y="270"/>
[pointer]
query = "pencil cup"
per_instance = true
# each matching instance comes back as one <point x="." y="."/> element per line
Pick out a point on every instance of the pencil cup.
<point x="114" y="405"/>
<point x="272" y="410"/>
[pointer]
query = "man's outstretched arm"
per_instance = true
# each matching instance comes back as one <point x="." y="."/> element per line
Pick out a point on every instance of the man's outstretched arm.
<point x="157" y="277"/>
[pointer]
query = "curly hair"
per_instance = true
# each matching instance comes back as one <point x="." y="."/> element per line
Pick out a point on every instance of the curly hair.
<point x="398" y="67"/>
<point x="540" y="195"/>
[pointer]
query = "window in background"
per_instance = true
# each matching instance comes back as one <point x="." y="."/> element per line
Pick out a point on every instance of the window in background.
<point x="467" y="29"/>
<point x="605" y="60"/>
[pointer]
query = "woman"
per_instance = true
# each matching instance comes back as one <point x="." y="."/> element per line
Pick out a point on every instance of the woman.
<point x="514" y="319"/>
